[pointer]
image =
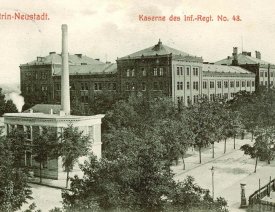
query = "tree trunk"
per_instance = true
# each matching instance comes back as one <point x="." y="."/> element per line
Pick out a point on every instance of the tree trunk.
<point x="224" y="151"/>
<point x="213" y="150"/>
<point x="234" y="141"/>
<point x="40" y="172"/>
<point x="67" y="180"/>
<point x="183" y="163"/>
<point x="256" y="163"/>
<point x="200" y="153"/>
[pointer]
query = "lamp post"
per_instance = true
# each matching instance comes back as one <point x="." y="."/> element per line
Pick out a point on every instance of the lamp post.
<point x="212" y="171"/>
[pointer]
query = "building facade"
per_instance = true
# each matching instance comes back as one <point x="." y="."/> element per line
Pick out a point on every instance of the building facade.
<point x="163" y="71"/>
<point x="155" y="71"/>
<point x="40" y="80"/>
<point x="264" y="71"/>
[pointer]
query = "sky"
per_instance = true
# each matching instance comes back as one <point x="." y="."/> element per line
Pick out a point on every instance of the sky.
<point x="107" y="29"/>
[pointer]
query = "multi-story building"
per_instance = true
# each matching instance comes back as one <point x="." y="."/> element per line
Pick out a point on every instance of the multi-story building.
<point x="264" y="71"/>
<point x="162" y="70"/>
<point x="40" y="79"/>
<point x="155" y="71"/>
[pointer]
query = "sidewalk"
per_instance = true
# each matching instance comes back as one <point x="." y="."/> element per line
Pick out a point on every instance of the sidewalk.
<point x="230" y="169"/>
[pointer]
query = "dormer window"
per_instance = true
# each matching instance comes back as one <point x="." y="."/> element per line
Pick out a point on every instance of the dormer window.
<point x="40" y="59"/>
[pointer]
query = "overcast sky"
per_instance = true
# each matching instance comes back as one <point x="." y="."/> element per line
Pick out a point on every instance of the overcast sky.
<point x="110" y="29"/>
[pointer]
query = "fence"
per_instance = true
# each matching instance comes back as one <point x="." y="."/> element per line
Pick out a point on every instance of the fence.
<point x="256" y="204"/>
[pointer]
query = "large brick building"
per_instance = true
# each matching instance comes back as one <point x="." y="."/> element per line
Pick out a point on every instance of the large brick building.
<point x="40" y="79"/>
<point x="162" y="70"/>
<point x="155" y="71"/>
<point x="264" y="71"/>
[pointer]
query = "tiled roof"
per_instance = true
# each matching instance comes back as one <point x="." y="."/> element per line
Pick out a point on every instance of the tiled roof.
<point x="104" y="68"/>
<point x="53" y="58"/>
<point x="243" y="59"/>
<point x="158" y="49"/>
<point x="44" y="108"/>
<point x="224" y="69"/>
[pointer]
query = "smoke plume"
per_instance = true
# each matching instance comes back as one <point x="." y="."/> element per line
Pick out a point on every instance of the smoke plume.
<point x="17" y="99"/>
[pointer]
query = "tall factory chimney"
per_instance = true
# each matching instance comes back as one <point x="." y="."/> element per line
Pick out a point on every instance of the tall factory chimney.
<point x="65" y="84"/>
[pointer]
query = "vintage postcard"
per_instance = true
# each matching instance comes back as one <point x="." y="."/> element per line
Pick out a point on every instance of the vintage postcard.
<point x="166" y="95"/>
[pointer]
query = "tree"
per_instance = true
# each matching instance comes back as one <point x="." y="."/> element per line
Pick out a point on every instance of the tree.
<point x="19" y="145"/>
<point x="263" y="147"/>
<point x="2" y="103"/>
<point x="73" y="144"/>
<point x="137" y="178"/>
<point x="14" y="190"/>
<point x="201" y="123"/>
<point x="10" y="107"/>
<point x="44" y="146"/>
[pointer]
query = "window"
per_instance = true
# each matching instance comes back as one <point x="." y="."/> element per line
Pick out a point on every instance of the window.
<point x="212" y="97"/>
<point x="133" y="72"/>
<point x="128" y="73"/>
<point x="225" y="95"/>
<point x="111" y="86"/>
<point x="84" y="86"/>
<point x="84" y="97"/>
<point x="196" y="85"/>
<point x="212" y="85"/>
<point x="261" y="74"/>
<point x="265" y="83"/>
<point x="187" y="85"/>
<point x="155" y="72"/>
<point x="248" y="83"/>
<point x="196" y="71"/>
<point x="204" y="85"/>
<point x="187" y="70"/>
<point x="195" y="98"/>
<point x="219" y="84"/>
<point x="58" y="87"/>
<point x="180" y="99"/>
<point x="232" y="84"/>
<point x="178" y="71"/>
<point x="28" y="132"/>
<point x="128" y="86"/>
<point x="232" y="95"/>
<point x="98" y="86"/>
<point x="188" y="100"/>
<point x="155" y="86"/>
<point x="262" y="83"/>
<point x="143" y="86"/>
<point x="44" y="88"/>
<point x="237" y="84"/>
<point x="179" y="85"/>
<point x="271" y="74"/>
<point x="160" y="71"/>
<point x="243" y="84"/>
<point x="160" y="86"/>
<point x="271" y="83"/>
<point x="265" y="74"/>
<point x="143" y="72"/>
<point x="44" y="75"/>
<point x="225" y="84"/>
<point x="253" y="83"/>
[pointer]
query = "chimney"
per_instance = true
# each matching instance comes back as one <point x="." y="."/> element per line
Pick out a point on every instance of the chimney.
<point x="65" y="87"/>
<point x="258" y="55"/>
<point x="235" y="56"/>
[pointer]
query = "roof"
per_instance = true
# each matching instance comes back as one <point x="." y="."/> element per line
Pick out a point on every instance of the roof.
<point x="158" y="49"/>
<point x="105" y="68"/>
<point x="242" y="60"/>
<point x="224" y="69"/>
<point x="44" y="108"/>
<point x="53" y="58"/>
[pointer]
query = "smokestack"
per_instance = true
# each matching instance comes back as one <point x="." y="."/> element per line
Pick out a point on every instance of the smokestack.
<point x="235" y="56"/>
<point x="258" y="54"/>
<point x="65" y="85"/>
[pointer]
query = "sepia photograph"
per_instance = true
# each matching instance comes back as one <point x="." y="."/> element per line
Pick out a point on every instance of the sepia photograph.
<point x="137" y="106"/>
